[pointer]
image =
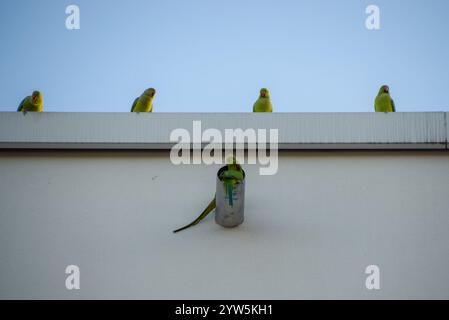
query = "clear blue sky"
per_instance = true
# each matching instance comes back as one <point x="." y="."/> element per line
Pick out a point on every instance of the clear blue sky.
<point x="213" y="56"/>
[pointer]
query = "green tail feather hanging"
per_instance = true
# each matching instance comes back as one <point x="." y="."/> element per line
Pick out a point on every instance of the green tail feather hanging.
<point x="230" y="178"/>
<point x="203" y="215"/>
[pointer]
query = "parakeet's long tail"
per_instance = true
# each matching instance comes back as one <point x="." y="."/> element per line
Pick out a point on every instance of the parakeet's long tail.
<point x="20" y="108"/>
<point x="229" y="188"/>
<point x="203" y="215"/>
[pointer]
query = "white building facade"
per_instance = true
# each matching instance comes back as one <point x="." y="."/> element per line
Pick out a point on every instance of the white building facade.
<point x="99" y="191"/>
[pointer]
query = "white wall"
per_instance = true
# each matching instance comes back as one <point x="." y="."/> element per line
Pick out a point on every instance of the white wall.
<point x="310" y="230"/>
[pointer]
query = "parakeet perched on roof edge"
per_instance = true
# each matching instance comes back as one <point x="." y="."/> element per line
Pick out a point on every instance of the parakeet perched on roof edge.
<point x="263" y="104"/>
<point x="144" y="103"/>
<point x="33" y="103"/>
<point x="383" y="101"/>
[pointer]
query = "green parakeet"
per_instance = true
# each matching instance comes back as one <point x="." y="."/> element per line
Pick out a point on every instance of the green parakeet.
<point x="144" y="103"/>
<point x="230" y="177"/>
<point x="383" y="102"/>
<point x="263" y="104"/>
<point x="33" y="103"/>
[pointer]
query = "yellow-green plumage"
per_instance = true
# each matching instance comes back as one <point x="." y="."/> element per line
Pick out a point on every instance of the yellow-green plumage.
<point x="263" y="104"/>
<point x="33" y="103"/>
<point x="144" y="103"/>
<point x="230" y="177"/>
<point x="383" y="101"/>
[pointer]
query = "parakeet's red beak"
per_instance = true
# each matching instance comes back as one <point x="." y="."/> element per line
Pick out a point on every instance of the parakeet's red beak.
<point x="262" y="94"/>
